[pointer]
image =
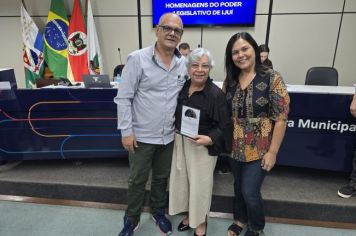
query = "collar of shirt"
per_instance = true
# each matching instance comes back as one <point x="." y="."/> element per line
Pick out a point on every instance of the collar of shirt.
<point x="176" y="52"/>
<point x="205" y="89"/>
<point x="156" y="59"/>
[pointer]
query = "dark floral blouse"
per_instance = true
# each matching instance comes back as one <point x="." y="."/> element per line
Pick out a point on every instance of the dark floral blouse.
<point x="254" y="111"/>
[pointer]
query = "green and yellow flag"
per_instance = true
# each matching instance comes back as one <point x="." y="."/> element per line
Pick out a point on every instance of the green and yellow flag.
<point x="55" y="37"/>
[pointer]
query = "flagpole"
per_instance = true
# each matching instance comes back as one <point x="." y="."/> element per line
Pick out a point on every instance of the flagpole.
<point x="139" y="24"/>
<point x="86" y="10"/>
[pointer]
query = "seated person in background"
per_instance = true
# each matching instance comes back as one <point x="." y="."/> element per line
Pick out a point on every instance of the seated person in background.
<point x="264" y="52"/>
<point x="184" y="49"/>
<point x="350" y="189"/>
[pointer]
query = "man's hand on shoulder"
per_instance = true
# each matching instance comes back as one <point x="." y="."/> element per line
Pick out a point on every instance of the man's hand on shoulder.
<point x="129" y="143"/>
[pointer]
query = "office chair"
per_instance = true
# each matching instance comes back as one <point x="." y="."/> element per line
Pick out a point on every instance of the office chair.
<point x="118" y="69"/>
<point x="326" y="76"/>
<point x="8" y="75"/>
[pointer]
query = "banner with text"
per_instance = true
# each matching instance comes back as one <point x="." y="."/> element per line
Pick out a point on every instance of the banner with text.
<point x="208" y="13"/>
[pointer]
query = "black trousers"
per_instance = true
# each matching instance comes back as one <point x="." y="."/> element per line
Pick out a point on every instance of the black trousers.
<point x="353" y="172"/>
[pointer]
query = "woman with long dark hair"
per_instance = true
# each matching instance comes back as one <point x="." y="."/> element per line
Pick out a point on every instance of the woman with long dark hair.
<point x="259" y="104"/>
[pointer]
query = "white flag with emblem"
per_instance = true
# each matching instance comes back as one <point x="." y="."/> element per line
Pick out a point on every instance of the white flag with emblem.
<point x="94" y="55"/>
<point x="32" y="49"/>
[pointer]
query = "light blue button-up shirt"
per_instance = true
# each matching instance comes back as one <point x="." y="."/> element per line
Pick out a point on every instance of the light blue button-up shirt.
<point x="147" y="96"/>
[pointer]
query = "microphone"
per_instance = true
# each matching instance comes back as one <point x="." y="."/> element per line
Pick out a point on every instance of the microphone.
<point x="199" y="46"/>
<point x="120" y="55"/>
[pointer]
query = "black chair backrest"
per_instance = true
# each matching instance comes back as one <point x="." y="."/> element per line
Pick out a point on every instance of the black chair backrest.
<point x="327" y="76"/>
<point x="8" y="74"/>
<point x="42" y="82"/>
<point x="118" y="69"/>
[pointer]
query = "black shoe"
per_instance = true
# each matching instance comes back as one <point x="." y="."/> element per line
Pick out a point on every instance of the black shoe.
<point x="235" y="229"/>
<point x="183" y="227"/>
<point x="250" y="232"/>
<point x="346" y="191"/>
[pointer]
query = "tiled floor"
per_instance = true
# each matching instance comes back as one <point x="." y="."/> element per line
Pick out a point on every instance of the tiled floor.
<point x="29" y="219"/>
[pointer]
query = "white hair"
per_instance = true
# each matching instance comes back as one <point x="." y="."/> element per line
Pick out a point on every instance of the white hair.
<point x="197" y="54"/>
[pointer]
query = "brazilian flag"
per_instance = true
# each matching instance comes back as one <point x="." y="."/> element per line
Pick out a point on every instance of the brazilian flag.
<point x="55" y="38"/>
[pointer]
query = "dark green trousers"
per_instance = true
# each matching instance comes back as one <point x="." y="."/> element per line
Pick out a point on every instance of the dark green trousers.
<point x="147" y="157"/>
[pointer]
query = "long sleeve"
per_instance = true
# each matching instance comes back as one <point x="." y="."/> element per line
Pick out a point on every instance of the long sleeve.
<point x="214" y="120"/>
<point x="126" y="93"/>
<point x="221" y="132"/>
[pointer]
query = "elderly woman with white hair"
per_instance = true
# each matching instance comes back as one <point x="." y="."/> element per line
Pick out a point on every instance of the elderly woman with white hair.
<point x="194" y="157"/>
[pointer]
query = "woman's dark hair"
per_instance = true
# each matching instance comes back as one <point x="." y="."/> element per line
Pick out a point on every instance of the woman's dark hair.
<point x="232" y="71"/>
<point x="183" y="46"/>
<point x="263" y="48"/>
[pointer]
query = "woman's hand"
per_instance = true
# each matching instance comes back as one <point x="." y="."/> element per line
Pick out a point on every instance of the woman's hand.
<point x="202" y="140"/>
<point x="268" y="161"/>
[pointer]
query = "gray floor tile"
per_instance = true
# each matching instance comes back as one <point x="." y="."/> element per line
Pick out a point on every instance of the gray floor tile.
<point x="28" y="219"/>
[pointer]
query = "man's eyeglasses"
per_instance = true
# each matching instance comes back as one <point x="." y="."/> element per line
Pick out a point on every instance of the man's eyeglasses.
<point x="168" y="29"/>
